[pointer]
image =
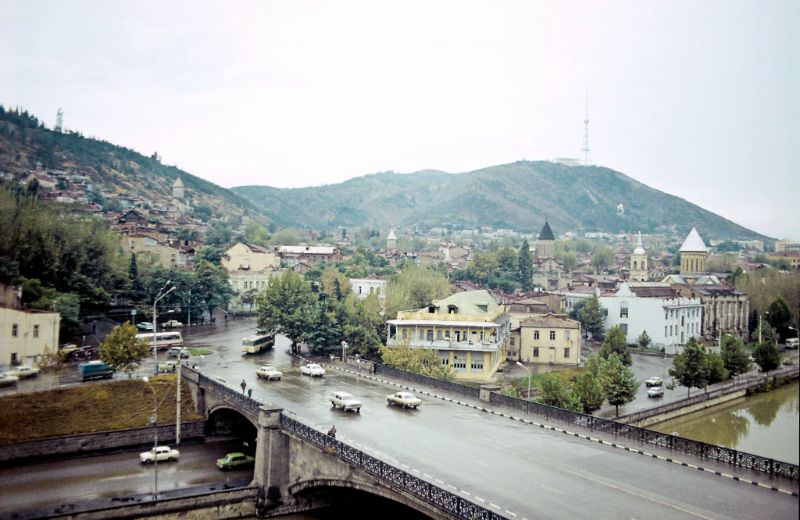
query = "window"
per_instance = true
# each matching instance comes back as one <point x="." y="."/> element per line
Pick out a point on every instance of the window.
<point x="552" y="335"/>
<point x="36" y="331"/>
<point x="430" y="335"/>
<point x="566" y="353"/>
<point x="623" y="310"/>
<point x="405" y="334"/>
<point x="535" y="334"/>
<point x="14" y="330"/>
<point x="476" y="364"/>
<point x="665" y="331"/>
<point x="535" y="351"/>
<point x="438" y="333"/>
<point x="445" y="361"/>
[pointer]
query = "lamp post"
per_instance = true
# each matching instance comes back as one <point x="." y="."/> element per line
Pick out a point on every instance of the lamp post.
<point x="154" y="421"/>
<point x="161" y="294"/>
<point x="529" y="379"/>
<point x="344" y="346"/>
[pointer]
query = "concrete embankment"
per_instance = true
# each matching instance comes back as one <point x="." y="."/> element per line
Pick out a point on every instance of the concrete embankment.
<point x="719" y="395"/>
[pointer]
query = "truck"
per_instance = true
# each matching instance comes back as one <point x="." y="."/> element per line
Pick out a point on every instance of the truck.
<point x="95" y="370"/>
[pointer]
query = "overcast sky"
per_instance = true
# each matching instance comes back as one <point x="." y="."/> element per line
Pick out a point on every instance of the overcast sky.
<point x="696" y="98"/>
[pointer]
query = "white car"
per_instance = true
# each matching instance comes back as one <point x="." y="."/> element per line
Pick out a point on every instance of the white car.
<point x="160" y="454"/>
<point x="654" y="381"/>
<point x="172" y="324"/>
<point x="404" y="399"/>
<point x="345" y="401"/>
<point x="655" y="391"/>
<point x="269" y="373"/>
<point x="22" y="372"/>
<point x="312" y="369"/>
<point x="7" y="379"/>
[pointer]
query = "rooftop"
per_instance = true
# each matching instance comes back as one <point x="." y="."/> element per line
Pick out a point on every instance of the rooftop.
<point x="693" y="243"/>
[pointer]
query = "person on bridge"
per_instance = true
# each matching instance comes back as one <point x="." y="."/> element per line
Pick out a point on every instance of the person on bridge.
<point x="332" y="431"/>
<point x="243" y="385"/>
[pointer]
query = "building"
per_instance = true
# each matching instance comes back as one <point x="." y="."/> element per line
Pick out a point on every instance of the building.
<point x="246" y="285"/>
<point x="391" y="242"/>
<point x="25" y="334"/>
<point x="469" y="332"/>
<point x="244" y="257"/>
<point x="545" y="242"/>
<point x="178" y="189"/>
<point x="694" y="254"/>
<point x="725" y="310"/>
<point x="638" y="262"/>
<point x="669" y="318"/>
<point x="549" y="339"/>
<point x="147" y="249"/>
<point x="293" y="255"/>
<point x="784" y="246"/>
<point x="363" y="287"/>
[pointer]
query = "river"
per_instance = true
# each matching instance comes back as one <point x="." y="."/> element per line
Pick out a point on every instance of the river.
<point x="765" y="424"/>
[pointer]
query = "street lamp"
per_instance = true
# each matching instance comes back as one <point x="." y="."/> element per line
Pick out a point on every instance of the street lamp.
<point x="154" y="422"/>
<point x="161" y="294"/>
<point x="344" y="346"/>
<point x="529" y="378"/>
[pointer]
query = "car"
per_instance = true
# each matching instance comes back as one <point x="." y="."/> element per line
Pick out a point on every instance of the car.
<point x="145" y="325"/>
<point x="160" y="454"/>
<point x="167" y="366"/>
<point x="654" y="381"/>
<point x="792" y="343"/>
<point x="312" y="369"/>
<point x="7" y="379"/>
<point x="22" y="372"/>
<point x="269" y="373"/>
<point x="235" y="459"/>
<point x="178" y="352"/>
<point x="172" y="324"/>
<point x="404" y="399"/>
<point x="655" y="391"/>
<point x="346" y="402"/>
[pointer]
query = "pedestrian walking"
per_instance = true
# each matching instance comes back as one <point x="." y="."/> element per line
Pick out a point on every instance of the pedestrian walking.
<point x="332" y="431"/>
<point x="243" y="385"/>
<point x="250" y="392"/>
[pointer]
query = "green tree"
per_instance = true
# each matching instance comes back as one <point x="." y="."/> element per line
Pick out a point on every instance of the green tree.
<point x="553" y="392"/>
<point x="734" y="356"/>
<point x="590" y="314"/>
<point x="779" y="317"/>
<point x="716" y="368"/>
<point x="421" y="361"/>
<point x="588" y="388"/>
<point x="285" y="237"/>
<point x="286" y="306"/>
<point x="643" y="340"/>
<point x="121" y="350"/>
<point x="690" y="367"/>
<point x="602" y="257"/>
<point x="413" y="288"/>
<point x="326" y="334"/>
<point x="255" y="233"/>
<point x="212" y="286"/>
<point x="766" y="356"/>
<point x="616" y="343"/>
<point x="210" y="253"/>
<point x="219" y="235"/>
<point x="525" y="266"/>
<point x="363" y="325"/>
<point x="619" y="381"/>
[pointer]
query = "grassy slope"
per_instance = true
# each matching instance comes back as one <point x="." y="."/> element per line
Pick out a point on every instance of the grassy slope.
<point x="89" y="408"/>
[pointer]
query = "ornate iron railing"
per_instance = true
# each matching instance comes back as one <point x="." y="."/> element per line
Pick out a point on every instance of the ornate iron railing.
<point x="229" y="395"/>
<point x="469" y="391"/>
<point x="396" y="478"/>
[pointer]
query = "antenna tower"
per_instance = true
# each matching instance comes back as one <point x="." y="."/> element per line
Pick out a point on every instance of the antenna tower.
<point x="585" y="148"/>
<point x="59" y="120"/>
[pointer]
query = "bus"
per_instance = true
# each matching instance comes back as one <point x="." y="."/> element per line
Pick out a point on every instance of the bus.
<point x="164" y="340"/>
<point x="257" y="343"/>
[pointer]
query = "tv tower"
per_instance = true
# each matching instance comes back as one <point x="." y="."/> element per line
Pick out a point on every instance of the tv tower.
<point x="59" y="118"/>
<point x="585" y="148"/>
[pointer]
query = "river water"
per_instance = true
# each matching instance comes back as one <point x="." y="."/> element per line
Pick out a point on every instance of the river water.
<point x="764" y="424"/>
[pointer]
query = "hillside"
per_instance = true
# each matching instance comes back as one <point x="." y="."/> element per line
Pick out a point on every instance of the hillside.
<point x="518" y="196"/>
<point x="26" y="143"/>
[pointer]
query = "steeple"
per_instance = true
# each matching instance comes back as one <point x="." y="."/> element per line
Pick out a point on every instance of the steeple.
<point x="544" y="244"/>
<point x="638" y="262"/>
<point x="693" y="254"/>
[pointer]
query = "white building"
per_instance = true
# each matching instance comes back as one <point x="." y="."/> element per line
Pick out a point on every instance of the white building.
<point x="656" y="308"/>
<point x="25" y="334"/>
<point x="247" y="285"/>
<point x="363" y="287"/>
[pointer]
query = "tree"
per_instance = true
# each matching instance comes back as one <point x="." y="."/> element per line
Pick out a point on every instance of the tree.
<point x="219" y="235"/>
<point x="325" y="335"/>
<point x="734" y="356"/>
<point x="121" y="350"/>
<point x="210" y="253"/>
<point x="643" y="340"/>
<point x="362" y="325"/>
<point x="212" y="286"/>
<point x="525" y="266"/>
<point x="779" y="317"/>
<point x="255" y="233"/>
<point x="616" y="343"/>
<point x="285" y="237"/>
<point x="716" y="368"/>
<point x="421" y="361"/>
<point x="619" y="381"/>
<point x="413" y="288"/>
<point x="553" y="392"/>
<point x="588" y="388"/>
<point x="590" y="314"/>
<point x="690" y="367"/>
<point x="602" y="257"/>
<point x="766" y="356"/>
<point x="286" y="307"/>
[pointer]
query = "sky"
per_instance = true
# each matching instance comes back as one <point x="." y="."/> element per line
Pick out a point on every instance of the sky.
<point x="695" y="98"/>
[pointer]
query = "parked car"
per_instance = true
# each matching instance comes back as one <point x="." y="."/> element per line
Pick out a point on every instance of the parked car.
<point x="22" y="372"/>
<point x="167" y="366"/>
<point x="235" y="460"/>
<point x="178" y="352"/>
<point x="792" y="343"/>
<point x="145" y="325"/>
<point x="404" y="399"/>
<point x="172" y="324"/>
<point x="346" y="402"/>
<point x="159" y="453"/>
<point x="312" y="369"/>
<point x="655" y="391"/>
<point x="269" y="373"/>
<point x="7" y="379"/>
<point x="654" y="381"/>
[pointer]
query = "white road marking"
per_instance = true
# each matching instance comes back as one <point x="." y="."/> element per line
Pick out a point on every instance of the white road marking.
<point x="554" y="490"/>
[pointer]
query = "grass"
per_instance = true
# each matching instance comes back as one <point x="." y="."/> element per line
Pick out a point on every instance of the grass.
<point x="89" y="408"/>
<point x="199" y="351"/>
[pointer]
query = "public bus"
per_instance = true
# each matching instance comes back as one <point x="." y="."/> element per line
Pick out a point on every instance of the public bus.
<point x="257" y="343"/>
<point x="164" y="340"/>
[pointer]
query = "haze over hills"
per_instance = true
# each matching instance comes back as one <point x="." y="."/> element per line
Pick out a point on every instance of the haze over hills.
<point x="517" y="196"/>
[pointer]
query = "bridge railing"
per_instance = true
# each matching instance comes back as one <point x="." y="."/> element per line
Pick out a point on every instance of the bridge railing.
<point x="229" y="394"/>
<point x="396" y="478"/>
<point x="466" y="390"/>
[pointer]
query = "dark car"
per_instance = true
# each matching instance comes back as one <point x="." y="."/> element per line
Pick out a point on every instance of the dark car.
<point x="178" y="352"/>
<point x="235" y="460"/>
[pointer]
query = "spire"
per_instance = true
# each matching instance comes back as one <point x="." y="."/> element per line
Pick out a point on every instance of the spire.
<point x="546" y="233"/>
<point x="639" y="250"/>
<point x="693" y="243"/>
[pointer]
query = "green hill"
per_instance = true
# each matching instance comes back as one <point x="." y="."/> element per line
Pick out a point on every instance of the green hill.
<point x="518" y="196"/>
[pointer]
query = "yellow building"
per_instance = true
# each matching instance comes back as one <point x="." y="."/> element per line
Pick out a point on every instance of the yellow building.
<point x="243" y="257"/>
<point x="25" y="334"/>
<point x="550" y="338"/>
<point x="469" y="332"/>
<point x="148" y="249"/>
